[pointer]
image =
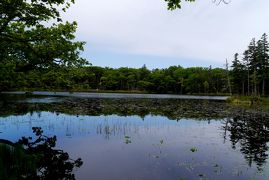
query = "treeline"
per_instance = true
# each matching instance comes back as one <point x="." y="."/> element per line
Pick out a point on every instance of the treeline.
<point x="174" y="79"/>
<point x="250" y="75"/>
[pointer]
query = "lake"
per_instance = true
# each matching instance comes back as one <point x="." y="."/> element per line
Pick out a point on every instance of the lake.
<point x="157" y="138"/>
<point x="118" y="95"/>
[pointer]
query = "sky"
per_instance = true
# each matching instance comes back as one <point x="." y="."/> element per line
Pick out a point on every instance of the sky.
<point x="131" y="33"/>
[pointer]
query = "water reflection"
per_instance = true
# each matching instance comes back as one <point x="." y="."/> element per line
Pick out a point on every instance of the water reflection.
<point x="173" y="109"/>
<point x="35" y="159"/>
<point x="150" y="139"/>
<point x="250" y="133"/>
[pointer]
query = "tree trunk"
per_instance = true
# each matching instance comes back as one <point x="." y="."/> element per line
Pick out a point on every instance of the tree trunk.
<point x="248" y="82"/>
<point x="255" y="83"/>
<point x="243" y="88"/>
<point x="263" y="87"/>
<point x="228" y="78"/>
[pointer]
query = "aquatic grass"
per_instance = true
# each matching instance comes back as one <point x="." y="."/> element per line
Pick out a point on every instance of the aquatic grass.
<point x="249" y="100"/>
<point x="127" y="139"/>
<point x="193" y="149"/>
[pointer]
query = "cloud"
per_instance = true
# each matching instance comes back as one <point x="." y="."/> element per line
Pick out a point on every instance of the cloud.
<point x="200" y="30"/>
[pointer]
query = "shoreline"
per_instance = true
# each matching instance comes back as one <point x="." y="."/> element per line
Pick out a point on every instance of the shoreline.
<point x="116" y="95"/>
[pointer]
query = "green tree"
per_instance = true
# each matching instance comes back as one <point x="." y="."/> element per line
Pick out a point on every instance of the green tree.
<point x="218" y="81"/>
<point x="176" y="4"/>
<point x="247" y="65"/>
<point x="263" y="60"/>
<point x="206" y="86"/>
<point x="30" y="12"/>
<point x="238" y="75"/>
<point x="179" y="75"/>
<point x="253" y="64"/>
<point x="26" y="41"/>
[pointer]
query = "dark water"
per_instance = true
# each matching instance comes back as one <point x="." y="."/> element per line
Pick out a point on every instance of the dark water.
<point x="148" y="139"/>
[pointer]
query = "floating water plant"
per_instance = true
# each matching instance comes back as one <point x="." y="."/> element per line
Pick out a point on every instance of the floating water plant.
<point x="127" y="140"/>
<point x="193" y="149"/>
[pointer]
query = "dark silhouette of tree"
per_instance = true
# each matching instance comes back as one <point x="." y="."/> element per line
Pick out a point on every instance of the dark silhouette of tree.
<point x="238" y="75"/>
<point x="249" y="132"/>
<point x="35" y="159"/>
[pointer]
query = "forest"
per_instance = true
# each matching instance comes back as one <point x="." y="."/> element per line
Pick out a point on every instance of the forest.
<point x="246" y="76"/>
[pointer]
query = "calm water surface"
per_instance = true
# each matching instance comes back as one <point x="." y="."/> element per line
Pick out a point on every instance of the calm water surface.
<point x="149" y="146"/>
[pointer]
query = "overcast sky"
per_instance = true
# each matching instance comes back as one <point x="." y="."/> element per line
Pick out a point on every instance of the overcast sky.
<point x="131" y="33"/>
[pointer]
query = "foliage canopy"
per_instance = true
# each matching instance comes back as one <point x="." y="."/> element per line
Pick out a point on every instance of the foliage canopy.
<point x="176" y="4"/>
<point x="28" y="43"/>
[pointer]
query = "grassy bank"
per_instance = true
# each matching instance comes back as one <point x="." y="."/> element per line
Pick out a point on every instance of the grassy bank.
<point x="249" y="100"/>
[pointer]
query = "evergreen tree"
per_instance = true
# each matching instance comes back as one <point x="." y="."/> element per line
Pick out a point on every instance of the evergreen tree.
<point x="238" y="75"/>
<point x="247" y="67"/>
<point x="263" y="64"/>
<point x="253" y="64"/>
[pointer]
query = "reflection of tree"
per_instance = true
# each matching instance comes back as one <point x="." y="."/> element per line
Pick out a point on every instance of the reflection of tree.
<point x="250" y="130"/>
<point x="35" y="159"/>
<point x="171" y="108"/>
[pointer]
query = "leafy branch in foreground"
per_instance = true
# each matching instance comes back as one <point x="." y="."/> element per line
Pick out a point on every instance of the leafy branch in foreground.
<point x="176" y="4"/>
<point x="27" y="43"/>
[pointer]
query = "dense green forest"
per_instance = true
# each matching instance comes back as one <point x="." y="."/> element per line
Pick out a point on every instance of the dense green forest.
<point x="248" y="76"/>
<point x="251" y="73"/>
<point x="174" y="79"/>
